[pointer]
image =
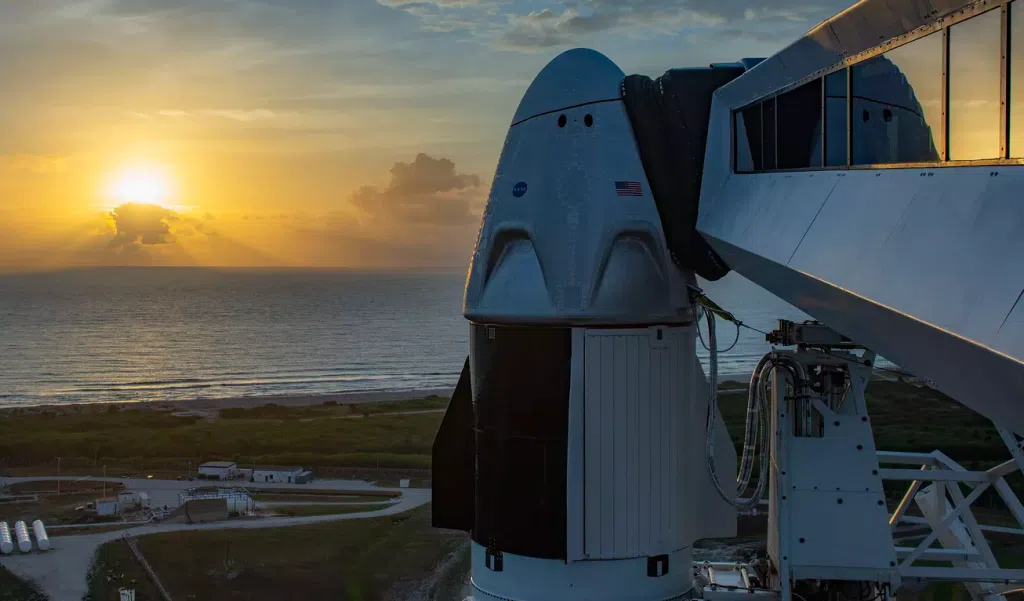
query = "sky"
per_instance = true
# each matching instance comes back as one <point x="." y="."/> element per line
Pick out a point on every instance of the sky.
<point x="300" y="133"/>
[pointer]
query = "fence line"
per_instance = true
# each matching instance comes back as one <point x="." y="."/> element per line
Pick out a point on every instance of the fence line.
<point x="130" y="541"/>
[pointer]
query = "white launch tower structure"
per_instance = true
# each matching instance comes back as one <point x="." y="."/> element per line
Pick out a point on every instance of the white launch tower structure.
<point x="583" y="449"/>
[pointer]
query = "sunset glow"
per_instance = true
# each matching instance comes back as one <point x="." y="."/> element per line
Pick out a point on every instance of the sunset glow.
<point x="281" y="134"/>
<point x="141" y="183"/>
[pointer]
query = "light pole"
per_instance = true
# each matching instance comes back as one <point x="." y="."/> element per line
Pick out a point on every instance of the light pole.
<point x="58" y="476"/>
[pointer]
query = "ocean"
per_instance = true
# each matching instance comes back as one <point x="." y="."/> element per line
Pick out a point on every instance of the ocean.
<point x="161" y="334"/>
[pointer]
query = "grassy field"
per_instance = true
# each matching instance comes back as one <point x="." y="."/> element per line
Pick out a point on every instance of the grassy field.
<point x="905" y="418"/>
<point x="368" y="559"/>
<point x="322" y="498"/>
<point x="326" y="509"/>
<point x="320" y="435"/>
<point x="76" y="530"/>
<point x="14" y="589"/>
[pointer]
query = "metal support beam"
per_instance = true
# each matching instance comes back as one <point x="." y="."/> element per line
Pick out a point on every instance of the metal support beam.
<point x="1011" y="500"/>
<point x="961" y="574"/>
<point x="936" y="475"/>
<point x="940" y="554"/>
<point x="1015" y="446"/>
<point x="906" y="458"/>
<point x="977" y="537"/>
<point x="950" y="517"/>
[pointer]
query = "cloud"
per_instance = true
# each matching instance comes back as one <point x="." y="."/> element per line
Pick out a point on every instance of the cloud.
<point x="567" y="22"/>
<point x="43" y="164"/>
<point x="241" y="114"/>
<point x="232" y="114"/>
<point x="142" y="225"/>
<point x="427" y="191"/>
<point x="576" y="20"/>
<point x="439" y="3"/>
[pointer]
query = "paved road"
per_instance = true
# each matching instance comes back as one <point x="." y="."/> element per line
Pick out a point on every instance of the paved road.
<point x="323" y="503"/>
<point x="61" y="572"/>
<point x="165" y="492"/>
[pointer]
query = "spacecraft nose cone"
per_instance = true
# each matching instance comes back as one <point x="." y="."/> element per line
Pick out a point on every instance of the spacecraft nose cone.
<point x="572" y="78"/>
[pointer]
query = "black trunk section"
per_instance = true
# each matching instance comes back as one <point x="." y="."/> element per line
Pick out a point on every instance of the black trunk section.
<point x="520" y="381"/>
<point x="454" y="461"/>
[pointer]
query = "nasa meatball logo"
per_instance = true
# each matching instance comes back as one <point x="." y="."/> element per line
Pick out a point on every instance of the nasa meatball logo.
<point x="519" y="190"/>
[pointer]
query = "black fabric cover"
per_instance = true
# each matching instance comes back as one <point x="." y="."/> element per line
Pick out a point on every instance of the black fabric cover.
<point x="670" y="123"/>
<point x="521" y="405"/>
<point x="453" y="459"/>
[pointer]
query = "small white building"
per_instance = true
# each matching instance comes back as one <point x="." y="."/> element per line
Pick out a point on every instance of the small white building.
<point x="126" y="500"/>
<point x="106" y="506"/>
<point x="218" y="470"/>
<point x="278" y="473"/>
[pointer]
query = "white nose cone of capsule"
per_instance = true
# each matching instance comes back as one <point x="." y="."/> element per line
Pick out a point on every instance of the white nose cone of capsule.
<point x="21" y="533"/>
<point x="42" y="540"/>
<point x="6" y="543"/>
<point x="571" y="233"/>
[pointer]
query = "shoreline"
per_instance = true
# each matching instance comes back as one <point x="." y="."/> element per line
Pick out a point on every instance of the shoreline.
<point x="207" y="404"/>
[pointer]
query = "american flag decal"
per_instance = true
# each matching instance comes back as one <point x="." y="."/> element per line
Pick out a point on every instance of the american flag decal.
<point x="628" y="189"/>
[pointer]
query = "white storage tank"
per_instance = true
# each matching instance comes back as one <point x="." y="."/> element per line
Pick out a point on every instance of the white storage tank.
<point x="21" y="533"/>
<point x="42" y="540"/>
<point x="6" y="544"/>
<point x="239" y="504"/>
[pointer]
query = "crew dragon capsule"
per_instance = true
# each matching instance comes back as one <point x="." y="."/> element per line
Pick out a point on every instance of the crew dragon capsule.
<point x="573" y="450"/>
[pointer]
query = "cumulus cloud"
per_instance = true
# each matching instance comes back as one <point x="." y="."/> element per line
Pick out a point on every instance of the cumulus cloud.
<point x="142" y="225"/>
<point x="43" y="164"/>
<point x="426" y="191"/>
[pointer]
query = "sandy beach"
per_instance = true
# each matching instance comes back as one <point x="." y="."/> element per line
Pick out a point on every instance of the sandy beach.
<point x="212" y="405"/>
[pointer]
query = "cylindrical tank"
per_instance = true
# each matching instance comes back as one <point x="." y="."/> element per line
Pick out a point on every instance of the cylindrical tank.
<point x="6" y="544"/>
<point x="21" y="533"/>
<point x="42" y="540"/>
<point x="240" y="504"/>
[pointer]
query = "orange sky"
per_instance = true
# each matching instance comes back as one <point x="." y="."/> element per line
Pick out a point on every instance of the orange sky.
<point x="300" y="132"/>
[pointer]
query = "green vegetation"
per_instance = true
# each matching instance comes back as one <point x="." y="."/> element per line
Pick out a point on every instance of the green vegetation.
<point x="13" y="588"/>
<point x="905" y="417"/>
<point x="364" y="559"/>
<point x="324" y="509"/>
<point x="324" y="496"/>
<point x="76" y="530"/>
<point x="332" y="410"/>
<point x="385" y="435"/>
<point x="154" y="439"/>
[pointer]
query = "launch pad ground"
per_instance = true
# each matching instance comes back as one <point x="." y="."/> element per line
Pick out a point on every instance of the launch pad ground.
<point x="61" y="573"/>
<point x="397" y="557"/>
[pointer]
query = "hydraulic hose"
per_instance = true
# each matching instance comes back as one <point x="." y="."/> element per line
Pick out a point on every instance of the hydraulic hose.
<point x="756" y="436"/>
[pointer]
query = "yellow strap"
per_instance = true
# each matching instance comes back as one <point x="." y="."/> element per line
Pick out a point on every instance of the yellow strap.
<point x="717" y="310"/>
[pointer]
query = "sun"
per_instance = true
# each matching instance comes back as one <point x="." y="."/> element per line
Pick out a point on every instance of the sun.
<point x="141" y="183"/>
